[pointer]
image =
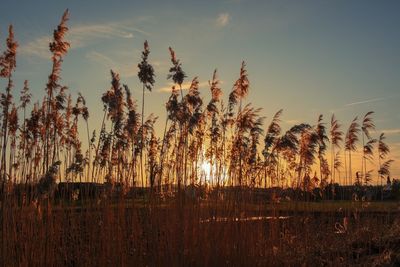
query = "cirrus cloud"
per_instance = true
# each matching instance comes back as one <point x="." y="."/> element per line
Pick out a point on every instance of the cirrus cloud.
<point x="81" y="36"/>
<point x="125" y="69"/>
<point x="223" y="19"/>
<point x="391" y="131"/>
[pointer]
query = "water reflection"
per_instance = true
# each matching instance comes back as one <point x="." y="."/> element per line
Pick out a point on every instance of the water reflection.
<point x="245" y="219"/>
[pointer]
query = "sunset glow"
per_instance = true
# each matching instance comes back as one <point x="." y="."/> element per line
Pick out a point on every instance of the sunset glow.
<point x="199" y="133"/>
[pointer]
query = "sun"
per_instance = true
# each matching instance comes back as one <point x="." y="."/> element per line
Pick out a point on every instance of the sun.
<point x="206" y="169"/>
<point x="211" y="174"/>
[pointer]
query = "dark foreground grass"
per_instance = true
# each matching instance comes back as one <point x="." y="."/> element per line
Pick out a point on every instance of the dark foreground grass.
<point x="182" y="232"/>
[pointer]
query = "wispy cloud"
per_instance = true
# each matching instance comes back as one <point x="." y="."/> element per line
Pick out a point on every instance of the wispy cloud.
<point x="365" y="101"/>
<point x="185" y="86"/>
<point x="223" y="19"/>
<point x="390" y="131"/>
<point x="126" y="70"/>
<point x="291" y="122"/>
<point x="100" y="58"/>
<point x="81" y="36"/>
<point x="38" y="47"/>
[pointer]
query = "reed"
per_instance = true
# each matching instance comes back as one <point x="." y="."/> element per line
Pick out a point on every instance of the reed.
<point x="216" y="187"/>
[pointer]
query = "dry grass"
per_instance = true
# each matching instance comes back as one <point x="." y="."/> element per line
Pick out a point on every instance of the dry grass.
<point x="177" y="234"/>
<point x="169" y="226"/>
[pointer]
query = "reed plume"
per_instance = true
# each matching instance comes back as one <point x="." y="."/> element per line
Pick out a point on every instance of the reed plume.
<point x="176" y="72"/>
<point x="240" y="90"/>
<point x="336" y="136"/>
<point x="351" y="140"/>
<point x="366" y="126"/>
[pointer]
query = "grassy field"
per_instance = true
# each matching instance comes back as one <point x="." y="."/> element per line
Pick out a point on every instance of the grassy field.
<point x="181" y="232"/>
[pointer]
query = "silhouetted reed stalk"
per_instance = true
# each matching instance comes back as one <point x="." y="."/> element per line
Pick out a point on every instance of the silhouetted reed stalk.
<point x="7" y="65"/>
<point x="350" y="144"/>
<point x="324" y="171"/>
<point x="366" y="127"/>
<point x="58" y="47"/>
<point x="146" y="77"/>
<point x="179" y="111"/>
<point x="336" y="137"/>
<point x="214" y="129"/>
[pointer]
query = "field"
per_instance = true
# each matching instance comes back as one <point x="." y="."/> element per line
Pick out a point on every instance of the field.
<point x="183" y="232"/>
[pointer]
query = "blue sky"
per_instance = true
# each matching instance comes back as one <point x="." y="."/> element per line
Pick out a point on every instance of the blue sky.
<point x="307" y="57"/>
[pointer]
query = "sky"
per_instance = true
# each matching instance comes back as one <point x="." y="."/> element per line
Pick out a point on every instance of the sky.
<point x="306" y="57"/>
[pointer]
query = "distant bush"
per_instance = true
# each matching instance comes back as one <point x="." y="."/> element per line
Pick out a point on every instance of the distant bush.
<point x="395" y="192"/>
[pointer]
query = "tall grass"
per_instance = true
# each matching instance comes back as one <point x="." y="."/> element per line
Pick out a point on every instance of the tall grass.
<point x="186" y="196"/>
<point x="226" y="136"/>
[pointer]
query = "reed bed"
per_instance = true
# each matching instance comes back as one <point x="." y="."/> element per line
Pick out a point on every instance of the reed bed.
<point x="174" y="235"/>
<point x="186" y="196"/>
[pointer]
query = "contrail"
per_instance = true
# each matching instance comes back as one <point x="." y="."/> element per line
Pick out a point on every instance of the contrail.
<point x="366" y="101"/>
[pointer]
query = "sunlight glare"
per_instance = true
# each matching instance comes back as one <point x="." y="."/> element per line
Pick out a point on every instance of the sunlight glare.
<point x="206" y="170"/>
